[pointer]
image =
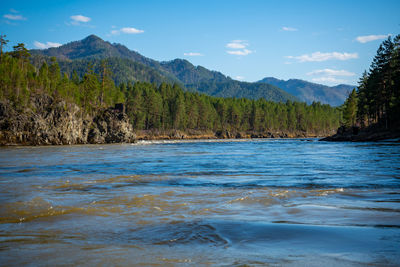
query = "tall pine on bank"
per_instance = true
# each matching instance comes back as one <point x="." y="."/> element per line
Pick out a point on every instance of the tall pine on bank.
<point x="350" y="109"/>
<point x="378" y="93"/>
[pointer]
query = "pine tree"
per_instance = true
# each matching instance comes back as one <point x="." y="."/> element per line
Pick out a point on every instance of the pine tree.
<point x="350" y="109"/>
<point x="21" y="53"/>
<point x="363" y="105"/>
<point x="3" y="42"/>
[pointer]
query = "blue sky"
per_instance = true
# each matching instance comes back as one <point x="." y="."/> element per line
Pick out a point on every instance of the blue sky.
<point x="328" y="42"/>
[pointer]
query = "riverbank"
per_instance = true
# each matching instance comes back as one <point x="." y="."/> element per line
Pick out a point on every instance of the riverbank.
<point x="8" y="138"/>
<point x="369" y="134"/>
<point x="47" y="121"/>
<point x="208" y="134"/>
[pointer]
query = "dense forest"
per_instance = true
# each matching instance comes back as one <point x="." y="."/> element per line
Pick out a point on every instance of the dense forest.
<point x="153" y="106"/>
<point x="377" y="98"/>
<point x="130" y="66"/>
<point x="168" y="106"/>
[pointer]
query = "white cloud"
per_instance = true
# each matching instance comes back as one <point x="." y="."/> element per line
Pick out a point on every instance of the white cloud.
<point x="369" y="38"/>
<point x="329" y="76"/>
<point x="193" y="54"/>
<point x="318" y="56"/>
<point x="131" y="30"/>
<point x="240" y="47"/>
<point x="240" y="78"/>
<point x="14" y="17"/>
<point x="289" y="29"/>
<point x="80" y="18"/>
<point x="127" y="30"/>
<point x="328" y="80"/>
<point x="243" y="52"/>
<point x="331" y="72"/>
<point x="46" y="45"/>
<point x="236" y="45"/>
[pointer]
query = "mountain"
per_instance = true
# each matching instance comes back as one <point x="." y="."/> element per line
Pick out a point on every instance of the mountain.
<point x="190" y="74"/>
<point x="93" y="49"/>
<point x="127" y="65"/>
<point x="310" y="92"/>
<point x="214" y="83"/>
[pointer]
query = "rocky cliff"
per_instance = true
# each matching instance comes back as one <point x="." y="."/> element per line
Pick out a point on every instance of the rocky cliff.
<point x="46" y="121"/>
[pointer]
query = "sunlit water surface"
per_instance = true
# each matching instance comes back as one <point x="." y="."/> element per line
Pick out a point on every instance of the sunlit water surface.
<point x="225" y="203"/>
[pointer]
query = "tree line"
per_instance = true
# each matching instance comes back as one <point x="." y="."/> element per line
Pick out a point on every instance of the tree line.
<point x="154" y="106"/>
<point x="377" y="98"/>
<point x="19" y="80"/>
<point x="169" y="107"/>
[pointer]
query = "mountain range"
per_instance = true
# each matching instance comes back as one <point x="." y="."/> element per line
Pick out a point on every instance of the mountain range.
<point x="312" y="92"/>
<point x="129" y="66"/>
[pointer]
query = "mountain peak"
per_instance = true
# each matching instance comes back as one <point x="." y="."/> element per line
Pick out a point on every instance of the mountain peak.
<point x="92" y="38"/>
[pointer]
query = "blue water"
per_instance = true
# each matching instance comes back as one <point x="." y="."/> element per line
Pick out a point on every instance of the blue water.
<point x="280" y="202"/>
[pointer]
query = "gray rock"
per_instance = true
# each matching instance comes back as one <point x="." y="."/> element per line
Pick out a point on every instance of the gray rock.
<point x="50" y="122"/>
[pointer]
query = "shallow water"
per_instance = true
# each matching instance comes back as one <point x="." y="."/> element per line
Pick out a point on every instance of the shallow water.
<point x="225" y="203"/>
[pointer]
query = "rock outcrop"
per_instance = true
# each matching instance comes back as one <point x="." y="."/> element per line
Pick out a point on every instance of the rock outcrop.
<point x="49" y="122"/>
<point x="111" y="126"/>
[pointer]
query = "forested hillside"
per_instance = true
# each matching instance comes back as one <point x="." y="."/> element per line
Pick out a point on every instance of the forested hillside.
<point x="157" y="107"/>
<point x="215" y="83"/>
<point x="130" y="66"/>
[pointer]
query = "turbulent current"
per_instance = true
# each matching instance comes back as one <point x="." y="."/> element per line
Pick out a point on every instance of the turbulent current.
<point x="218" y="203"/>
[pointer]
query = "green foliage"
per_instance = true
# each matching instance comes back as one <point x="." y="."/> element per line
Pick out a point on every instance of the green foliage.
<point x="350" y="109"/>
<point x="129" y="66"/>
<point x="21" y="52"/>
<point x="3" y="42"/>
<point x="158" y="105"/>
<point x="169" y="107"/>
<point x="379" y="88"/>
<point x="19" y="80"/>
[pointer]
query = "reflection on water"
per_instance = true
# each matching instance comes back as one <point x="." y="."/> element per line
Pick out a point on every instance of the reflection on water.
<point x="232" y="203"/>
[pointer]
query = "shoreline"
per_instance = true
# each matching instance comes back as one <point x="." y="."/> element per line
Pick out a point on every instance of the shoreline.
<point x="50" y="122"/>
<point x="373" y="133"/>
<point x="144" y="138"/>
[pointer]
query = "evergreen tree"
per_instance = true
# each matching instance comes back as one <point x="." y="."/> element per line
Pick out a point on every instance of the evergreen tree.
<point x="378" y="90"/>
<point x="3" y="42"/>
<point x="21" y="53"/>
<point x="350" y="109"/>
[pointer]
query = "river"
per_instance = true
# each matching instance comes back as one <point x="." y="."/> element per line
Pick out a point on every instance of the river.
<point x="266" y="202"/>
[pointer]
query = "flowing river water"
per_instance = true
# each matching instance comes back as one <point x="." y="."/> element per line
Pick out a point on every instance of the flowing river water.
<point x="272" y="202"/>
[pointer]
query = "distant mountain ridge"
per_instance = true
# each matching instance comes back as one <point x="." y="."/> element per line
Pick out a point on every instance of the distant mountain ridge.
<point x="312" y="92"/>
<point x="214" y="83"/>
<point x="127" y="65"/>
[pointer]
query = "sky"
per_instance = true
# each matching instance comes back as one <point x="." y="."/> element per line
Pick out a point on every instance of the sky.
<point x="327" y="42"/>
